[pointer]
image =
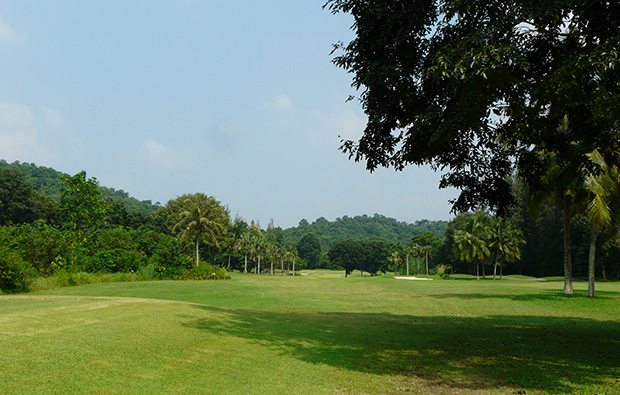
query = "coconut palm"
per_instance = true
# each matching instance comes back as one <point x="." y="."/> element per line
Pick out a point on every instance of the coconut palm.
<point x="602" y="186"/>
<point x="506" y="240"/>
<point x="395" y="259"/>
<point x="203" y="219"/>
<point x="471" y="241"/>
<point x="408" y="252"/>
<point x="426" y="252"/>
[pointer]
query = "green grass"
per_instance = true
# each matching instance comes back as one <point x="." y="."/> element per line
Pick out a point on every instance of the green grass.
<point x="313" y="334"/>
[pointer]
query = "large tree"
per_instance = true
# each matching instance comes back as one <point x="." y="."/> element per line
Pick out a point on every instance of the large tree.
<point x="309" y="249"/>
<point x="469" y="86"/>
<point x="201" y="218"/>
<point x="16" y="197"/>
<point x="81" y="206"/>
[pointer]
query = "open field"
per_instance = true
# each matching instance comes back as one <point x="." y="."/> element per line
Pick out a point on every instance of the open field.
<point x="314" y="334"/>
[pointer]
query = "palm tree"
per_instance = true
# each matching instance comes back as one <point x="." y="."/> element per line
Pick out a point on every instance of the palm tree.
<point x="395" y="259"/>
<point x="471" y="241"/>
<point x="408" y="251"/>
<point x="506" y="240"/>
<point x="235" y="232"/>
<point x="202" y="219"/>
<point x="246" y="244"/>
<point x="426" y="252"/>
<point x="560" y="182"/>
<point x="602" y="187"/>
<point x="416" y="250"/>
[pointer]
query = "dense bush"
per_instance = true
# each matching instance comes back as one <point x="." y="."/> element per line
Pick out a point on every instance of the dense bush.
<point x="15" y="273"/>
<point x="204" y="272"/>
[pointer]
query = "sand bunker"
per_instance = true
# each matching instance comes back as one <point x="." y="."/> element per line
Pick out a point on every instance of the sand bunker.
<point x="412" y="278"/>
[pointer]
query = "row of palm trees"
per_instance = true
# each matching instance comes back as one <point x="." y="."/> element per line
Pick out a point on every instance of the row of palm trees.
<point x="253" y="245"/>
<point x="484" y="238"/>
<point x="597" y="191"/>
<point x="202" y="219"/>
<point x="416" y="250"/>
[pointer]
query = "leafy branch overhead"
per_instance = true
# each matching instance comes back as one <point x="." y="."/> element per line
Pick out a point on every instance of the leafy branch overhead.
<point x="477" y="88"/>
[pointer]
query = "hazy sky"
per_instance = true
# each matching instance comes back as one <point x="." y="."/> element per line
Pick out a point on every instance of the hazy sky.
<point x="235" y="99"/>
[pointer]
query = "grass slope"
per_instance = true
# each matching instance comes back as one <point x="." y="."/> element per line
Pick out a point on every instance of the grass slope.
<point x="315" y="334"/>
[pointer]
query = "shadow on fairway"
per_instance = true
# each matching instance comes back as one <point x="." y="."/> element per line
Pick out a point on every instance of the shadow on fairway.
<point x="544" y="295"/>
<point x="447" y="353"/>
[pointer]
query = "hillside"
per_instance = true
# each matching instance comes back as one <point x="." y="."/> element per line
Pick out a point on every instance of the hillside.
<point x="47" y="180"/>
<point x="363" y="227"/>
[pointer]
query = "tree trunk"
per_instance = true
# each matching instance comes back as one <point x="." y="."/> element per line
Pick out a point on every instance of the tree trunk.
<point x="245" y="268"/>
<point x="258" y="267"/>
<point x="229" y="256"/>
<point x="477" y="270"/>
<point x="197" y="252"/>
<point x="407" y="264"/>
<point x="568" y="268"/>
<point x="361" y="273"/>
<point x="427" y="263"/>
<point x="281" y="267"/>
<point x="592" y="261"/>
<point x="293" y="267"/>
<point x="484" y="274"/>
<point x="418" y="264"/>
<point x="495" y="270"/>
<point x="501" y="272"/>
<point x="271" y="267"/>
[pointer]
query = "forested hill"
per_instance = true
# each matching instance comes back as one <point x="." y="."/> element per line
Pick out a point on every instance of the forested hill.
<point x="47" y="180"/>
<point x="363" y="227"/>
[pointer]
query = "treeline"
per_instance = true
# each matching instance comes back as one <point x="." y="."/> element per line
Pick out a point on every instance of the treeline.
<point x="82" y="230"/>
<point x="46" y="182"/>
<point x="82" y="233"/>
<point x="323" y="234"/>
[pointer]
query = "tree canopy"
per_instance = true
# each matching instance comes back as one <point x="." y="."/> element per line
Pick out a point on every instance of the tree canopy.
<point x="474" y="87"/>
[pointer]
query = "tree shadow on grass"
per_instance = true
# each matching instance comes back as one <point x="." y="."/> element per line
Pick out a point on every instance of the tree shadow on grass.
<point x="446" y="354"/>
<point x="540" y="294"/>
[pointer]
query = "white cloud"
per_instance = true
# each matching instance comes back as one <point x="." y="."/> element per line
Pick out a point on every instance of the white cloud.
<point x="7" y="34"/>
<point x="279" y="103"/>
<point x="157" y="154"/>
<point x="18" y="134"/>
<point x="152" y="149"/>
<point x="346" y="125"/>
<point x="53" y="118"/>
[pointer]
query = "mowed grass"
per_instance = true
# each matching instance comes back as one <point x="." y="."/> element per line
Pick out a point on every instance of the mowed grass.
<point x="314" y="334"/>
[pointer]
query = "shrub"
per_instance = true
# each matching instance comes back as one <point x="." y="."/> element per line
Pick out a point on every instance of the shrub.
<point x="443" y="270"/>
<point x="204" y="272"/>
<point x="15" y="273"/>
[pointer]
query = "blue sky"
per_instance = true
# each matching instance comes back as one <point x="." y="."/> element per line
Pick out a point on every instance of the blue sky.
<point x="235" y="99"/>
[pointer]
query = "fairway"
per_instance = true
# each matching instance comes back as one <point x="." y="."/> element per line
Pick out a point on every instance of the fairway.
<point x="315" y="334"/>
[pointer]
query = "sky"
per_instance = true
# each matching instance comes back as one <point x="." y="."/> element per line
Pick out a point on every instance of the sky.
<point x="237" y="99"/>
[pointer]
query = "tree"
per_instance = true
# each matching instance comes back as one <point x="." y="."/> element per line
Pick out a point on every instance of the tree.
<point x="468" y="85"/>
<point x="505" y="242"/>
<point x="16" y="197"/>
<point x="374" y="256"/>
<point x="81" y="203"/>
<point x="602" y="186"/>
<point x="309" y="249"/>
<point x="235" y="232"/>
<point x="81" y="206"/>
<point x="426" y="251"/>
<point x="202" y="219"/>
<point x="346" y="254"/>
<point x="425" y="244"/>
<point x="408" y="251"/>
<point x="471" y="241"/>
